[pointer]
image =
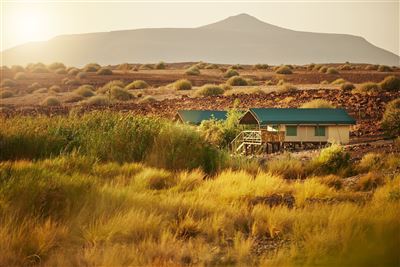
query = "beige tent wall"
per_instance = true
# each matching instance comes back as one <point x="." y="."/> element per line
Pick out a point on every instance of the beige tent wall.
<point x="306" y="133"/>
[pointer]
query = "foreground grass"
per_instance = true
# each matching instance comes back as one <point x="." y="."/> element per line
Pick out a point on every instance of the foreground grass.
<point x="73" y="210"/>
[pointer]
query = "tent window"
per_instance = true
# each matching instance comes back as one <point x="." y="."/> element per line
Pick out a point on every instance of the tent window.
<point x="291" y="130"/>
<point x="319" y="130"/>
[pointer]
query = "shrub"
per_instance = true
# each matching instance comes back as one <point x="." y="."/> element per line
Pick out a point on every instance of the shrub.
<point x="370" y="161"/>
<point x="369" y="181"/>
<point x="73" y="71"/>
<point x="55" y="88"/>
<point x="20" y="76"/>
<point x="91" y="67"/>
<point x="124" y="67"/>
<point x="104" y="71"/>
<point x="317" y="103"/>
<point x="391" y="118"/>
<point x="194" y="71"/>
<point x="286" y="166"/>
<point x="34" y="86"/>
<point x="372" y="67"/>
<point x="323" y="69"/>
<point x="324" y="82"/>
<point x="56" y="66"/>
<point x="182" y="84"/>
<point x="347" y="86"/>
<point x="73" y="98"/>
<point x="146" y="67"/>
<point x="284" y="70"/>
<point x="332" y="70"/>
<point x="107" y="87"/>
<point x="261" y="66"/>
<point x="8" y="83"/>
<point x="338" y="81"/>
<point x="236" y="81"/>
<point x="317" y="67"/>
<point x="81" y="75"/>
<point x="72" y="81"/>
<point x="147" y="99"/>
<point x="51" y="101"/>
<point x="384" y="68"/>
<point x="345" y="67"/>
<point x="390" y="83"/>
<point x="236" y="67"/>
<point x="160" y="65"/>
<point x="230" y="73"/>
<point x="60" y="71"/>
<point x="367" y="87"/>
<point x="332" y="159"/>
<point x="211" y="66"/>
<point x="210" y="90"/>
<point x="138" y="84"/>
<point x="97" y="101"/>
<point x="287" y="88"/>
<point x="120" y="93"/>
<point x="85" y="90"/>
<point x="6" y="94"/>
<point x="41" y="91"/>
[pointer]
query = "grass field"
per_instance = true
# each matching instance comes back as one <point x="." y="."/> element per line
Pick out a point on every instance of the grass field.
<point x="113" y="189"/>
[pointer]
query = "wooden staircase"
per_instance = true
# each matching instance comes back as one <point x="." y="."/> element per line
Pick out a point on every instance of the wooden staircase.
<point x="247" y="141"/>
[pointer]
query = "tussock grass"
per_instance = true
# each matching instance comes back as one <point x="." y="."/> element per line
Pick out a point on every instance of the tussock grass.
<point x="182" y="84"/>
<point x="347" y="86"/>
<point x="81" y="75"/>
<point x="210" y="90"/>
<point x="147" y="99"/>
<point x="146" y="67"/>
<point x="51" y="101"/>
<point x="161" y="66"/>
<point x="237" y="81"/>
<point x="317" y="103"/>
<point x="332" y="70"/>
<point x="384" y="68"/>
<point x="6" y="94"/>
<point x="56" y="66"/>
<point x="85" y="90"/>
<point x="55" y="89"/>
<point x="119" y="93"/>
<point x="367" y="88"/>
<point x="20" y="76"/>
<point x="193" y="71"/>
<point x="230" y="73"/>
<point x="285" y="69"/>
<point x="104" y="71"/>
<point x="287" y="88"/>
<point x="73" y="71"/>
<point x="390" y="83"/>
<point x="8" y="83"/>
<point x="391" y="118"/>
<point x="91" y="67"/>
<point x="338" y="81"/>
<point x="96" y="100"/>
<point x="138" y="84"/>
<point x="60" y="71"/>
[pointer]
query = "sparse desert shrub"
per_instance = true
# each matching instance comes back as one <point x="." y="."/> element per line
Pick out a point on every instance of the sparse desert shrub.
<point x="332" y="159"/>
<point x="81" y="75"/>
<point x="236" y="67"/>
<point x="347" y="86"/>
<point x="317" y="67"/>
<point x="211" y="67"/>
<point x="119" y="93"/>
<point x="6" y="94"/>
<point x="138" y="84"/>
<point x="60" y="71"/>
<point x="287" y="88"/>
<point x="194" y="71"/>
<point x="370" y="181"/>
<point x="370" y="161"/>
<point x="230" y="73"/>
<point x="384" y="68"/>
<point x="71" y="81"/>
<point x="346" y="67"/>
<point x="182" y="84"/>
<point x="261" y="66"/>
<point x="97" y="100"/>
<point x="41" y="90"/>
<point x="8" y="83"/>
<point x="20" y="76"/>
<point x="372" y="67"/>
<point x="332" y="70"/>
<point x="210" y="90"/>
<point x="124" y="67"/>
<point x="390" y="83"/>
<point x="391" y="118"/>
<point x="324" y="82"/>
<point x="237" y="81"/>
<point x="73" y="98"/>
<point x="338" y="81"/>
<point x="56" y="65"/>
<point x="104" y="71"/>
<point x="85" y="90"/>
<point x="323" y="69"/>
<point x="160" y="65"/>
<point x="55" y="89"/>
<point x="284" y="70"/>
<point x="73" y="71"/>
<point x="367" y="87"/>
<point x="225" y="86"/>
<point x="317" y="103"/>
<point x="91" y="67"/>
<point x="105" y="89"/>
<point x="310" y="66"/>
<point x="147" y="99"/>
<point x="34" y="86"/>
<point x="51" y="101"/>
<point x="17" y="68"/>
<point x="146" y="67"/>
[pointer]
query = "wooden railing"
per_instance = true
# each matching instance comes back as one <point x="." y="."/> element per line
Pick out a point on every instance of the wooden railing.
<point x="255" y="138"/>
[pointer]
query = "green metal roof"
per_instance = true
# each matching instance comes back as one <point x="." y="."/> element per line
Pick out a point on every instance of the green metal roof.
<point x="301" y="116"/>
<point x="197" y="116"/>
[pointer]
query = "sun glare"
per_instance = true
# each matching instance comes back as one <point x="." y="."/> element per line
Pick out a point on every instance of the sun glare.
<point x="29" y="25"/>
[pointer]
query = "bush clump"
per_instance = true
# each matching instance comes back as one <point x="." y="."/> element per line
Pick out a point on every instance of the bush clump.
<point x="85" y="90"/>
<point x="138" y="84"/>
<point x="210" y="90"/>
<point x="91" y="67"/>
<point x="230" y="73"/>
<point x="20" y="76"/>
<point x="367" y="87"/>
<point x="285" y="69"/>
<point x="384" y="68"/>
<point x="211" y="66"/>
<point x="338" y="81"/>
<point x="119" y="93"/>
<point x="56" y="65"/>
<point x="390" y="83"/>
<point x="391" y="118"/>
<point x="60" y="71"/>
<point x="346" y="67"/>
<point x="73" y="71"/>
<point x="331" y="160"/>
<point x="147" y="99"/>
<point x="347" y="86"/>
<point x="17" y="68"/>
<point x="97" y="100"/>
<point x="160" y="66"/>
<point x="81" y="75"/>
<point x="317" y="103"/>
<point x="8" y="83"/>
<point x="237" y="81"/>
<point x="369" y="181"/>
<point x="6" y="94"/>
<point x="287" y="88"/>
<point x="332" y="70"/>
<point x="55" y="89"/>
<point x="323" y="69"/>
<point x="194" y="71"/>
<point x="51" y="101"/>
<point x="104" y="71"/>
<point x="182" y="84"/>
<point x="372" y="67"/>
<point x="261" y="66"/>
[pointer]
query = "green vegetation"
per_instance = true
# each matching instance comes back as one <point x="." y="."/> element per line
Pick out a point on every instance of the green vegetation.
<point x="338" y="81"/>
<point x="237" y="81"/>
<point x="323" y="69"/>
<point x="346" y="67"/>
<point x="390" y="83"/>
<point x="147" y="99"/>
<point x="104" y="71"/>
<point x="210" y="90"/>
<point x="261" y="66"/>
<point x="182" y="84"/>
<point x="211" y="66"/>
<point x="81" y="75"/>
<point x="138" y="84"/>
<point x="97" y="100"/>
<point x="391" y="118"/>
<point x="367" y="87"/>
<point x="160" y="65"/>
<point x="119" y="93"/>
<point x="193" y="70"/>
<point x="285" y="69"/>
<point x="55" y="89"/>
<point x="317" y="103"/>
<point x="230" y="73"/>
<point x="332" y="70"/>
<point x="372" y="67"/>
<point x="60" y="71"/>
<point x="85" y="90"/>
<point x="51" y="101"/>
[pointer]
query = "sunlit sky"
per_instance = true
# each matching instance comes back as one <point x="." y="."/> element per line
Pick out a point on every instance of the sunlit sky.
<point x="26" y="21"/>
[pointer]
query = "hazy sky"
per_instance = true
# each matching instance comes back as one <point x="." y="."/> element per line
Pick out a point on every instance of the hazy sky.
<point x="24" y="21"/>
